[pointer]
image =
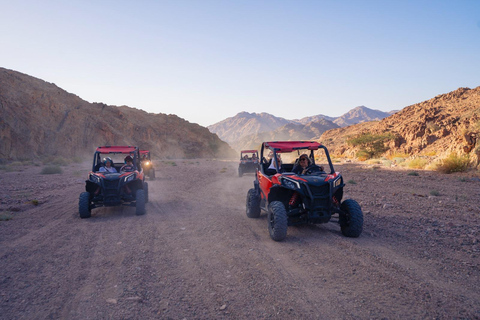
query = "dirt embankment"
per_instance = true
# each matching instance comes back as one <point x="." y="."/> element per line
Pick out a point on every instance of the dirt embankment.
<point x="195" y="254"/>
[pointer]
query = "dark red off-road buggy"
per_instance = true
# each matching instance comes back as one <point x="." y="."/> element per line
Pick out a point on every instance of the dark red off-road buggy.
<point x="147" y="164"/>
<point x="249" y="162"/>
<point x="309" y="197"/>
<point x="106" y="189"/>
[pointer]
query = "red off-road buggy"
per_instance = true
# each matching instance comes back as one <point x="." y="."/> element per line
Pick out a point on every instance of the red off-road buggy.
<point x="310" y="196"/>
<point x="147" y="164"/>
<point x="249" y="162"/>
<point x="107" y="189"/>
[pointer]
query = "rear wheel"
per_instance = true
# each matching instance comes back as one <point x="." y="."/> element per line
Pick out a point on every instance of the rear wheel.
<point x="145" y="188"/>
<point x="351" y="221"/>
<point x="84" y="205"/>
<point x="140" y="203"/>
<point x="277" y="221"/>
<point x="253" y="204"/>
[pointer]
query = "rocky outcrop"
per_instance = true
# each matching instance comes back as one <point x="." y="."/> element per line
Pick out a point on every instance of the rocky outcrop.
<point x="439" y="126"/>
<point x="38" y="119"/>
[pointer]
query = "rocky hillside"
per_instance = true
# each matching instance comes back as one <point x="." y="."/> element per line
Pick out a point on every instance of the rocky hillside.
<point x="252" y="128"/>
<point x="356" y="115"/>
<point x="39" y="119"/>
<point x="244" y="124"/>
<point x="436" y="127"/>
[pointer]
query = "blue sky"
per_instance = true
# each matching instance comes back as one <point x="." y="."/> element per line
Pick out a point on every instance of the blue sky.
<point x="207" y="60"/>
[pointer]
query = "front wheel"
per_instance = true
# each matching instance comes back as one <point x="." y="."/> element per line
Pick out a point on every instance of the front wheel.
<point x="277" y="221"/>
<point x="84" y="205"/>
<point x="351" y="220"/>
<point x="140" y="203"/>
<point x="253" y="204"/>
<point x="145" y="188"/>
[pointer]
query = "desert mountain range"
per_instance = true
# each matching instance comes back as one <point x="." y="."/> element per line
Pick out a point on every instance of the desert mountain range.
<point x="39" y="119"/>
<point x="248" y="130"/>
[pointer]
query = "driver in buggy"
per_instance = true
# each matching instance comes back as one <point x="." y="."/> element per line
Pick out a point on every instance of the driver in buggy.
<point x="304" y="165"/>
<point x="128" y="166"/>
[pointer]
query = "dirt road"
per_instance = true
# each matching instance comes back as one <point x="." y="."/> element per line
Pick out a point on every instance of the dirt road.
<point x="195" y="254"/>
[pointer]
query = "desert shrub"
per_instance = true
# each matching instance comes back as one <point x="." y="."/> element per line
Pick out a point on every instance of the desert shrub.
<point x="5" y="216"/>
<point x="51" y="170"/>
<point x="398" y="160"/>
<point x="55" y="161"/>
<point x="430" y="153"/>
<point x="432" y="127"/>
<point x="434" y="193"/>
<point x="223" y="170"/>
<point x="413" y="173"/>
<point x="351" y="182"/>
<point x="453" y="163"/>
<point x="387" y="163"/>
<point x="371" y="145"/>
<point x="34" y="202"/>
<point x="364" y="154"/>
<point x="417" y="163"/>
<point x="398" y="155"/>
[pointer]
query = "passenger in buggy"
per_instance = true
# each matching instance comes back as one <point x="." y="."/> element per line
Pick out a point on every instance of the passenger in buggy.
<point x="272" y="169"/>
<point x="108" y="168"/>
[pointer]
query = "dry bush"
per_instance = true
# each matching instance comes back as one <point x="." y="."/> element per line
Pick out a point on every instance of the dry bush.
<point x="417" y="163"/>
<point x="453" y="163"/>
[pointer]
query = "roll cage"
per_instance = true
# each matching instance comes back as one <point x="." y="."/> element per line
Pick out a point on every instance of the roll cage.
<point x="133" y="151"/>
<point x="278" y="147"/>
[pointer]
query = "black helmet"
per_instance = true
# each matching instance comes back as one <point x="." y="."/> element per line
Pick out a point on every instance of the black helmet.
<point x="128" y="158"/>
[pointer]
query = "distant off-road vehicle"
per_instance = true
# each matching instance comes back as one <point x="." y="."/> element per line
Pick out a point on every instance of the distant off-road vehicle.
<point x="293" y="193"/>
<point x="249" y="162"/>
<point x="147" y="164"/>
<point x="114" y="182"/>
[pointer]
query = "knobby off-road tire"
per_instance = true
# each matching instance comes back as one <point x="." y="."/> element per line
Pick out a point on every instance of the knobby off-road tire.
<point x="140" y="202"/>
<point x="253" y="204"/>
<point x="84" y="205"/>
<point x="277" y="221"/>
<point x="145" y="188"/>
<point x="351" y="222"/>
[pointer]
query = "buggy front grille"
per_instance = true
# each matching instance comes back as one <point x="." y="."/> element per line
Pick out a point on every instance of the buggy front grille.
<point x="321" y="195"/>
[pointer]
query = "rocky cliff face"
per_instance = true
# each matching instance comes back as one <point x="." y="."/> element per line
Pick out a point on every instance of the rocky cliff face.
<point x="447" y="123"/>
<point x="38" y="119"/>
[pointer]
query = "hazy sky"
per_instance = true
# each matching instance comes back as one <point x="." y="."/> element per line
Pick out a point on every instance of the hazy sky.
<point x="207" y="60"/>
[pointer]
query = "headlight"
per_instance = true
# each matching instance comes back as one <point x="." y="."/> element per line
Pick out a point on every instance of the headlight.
<point x="290" y="184"/>
<point x="129" y="178"/>
<point x="93" y="178"/>
<point x="337" y="182"/>
<point x="147" y="163"/>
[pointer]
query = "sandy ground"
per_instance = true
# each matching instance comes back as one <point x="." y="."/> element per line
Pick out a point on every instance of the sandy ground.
<point x="196" y="255"/>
